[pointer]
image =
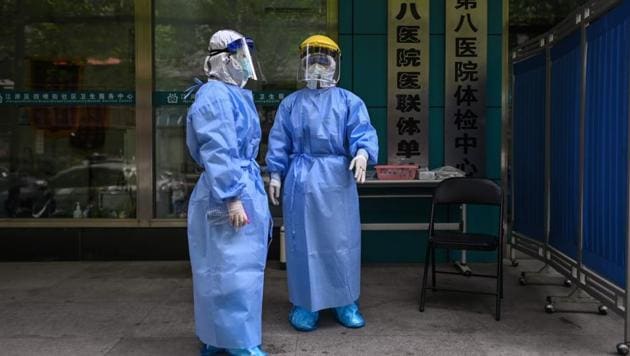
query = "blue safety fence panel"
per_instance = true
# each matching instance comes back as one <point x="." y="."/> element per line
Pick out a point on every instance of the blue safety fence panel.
<point x="606" y="145"/>
<point x="565" y="145"/>
<point x="529" y="147"/>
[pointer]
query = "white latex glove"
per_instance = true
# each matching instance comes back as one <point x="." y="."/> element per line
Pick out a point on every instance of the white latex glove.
<point x="238" y="217"/>
<point x="274" y="191"/>
<point x="359" y="164"/>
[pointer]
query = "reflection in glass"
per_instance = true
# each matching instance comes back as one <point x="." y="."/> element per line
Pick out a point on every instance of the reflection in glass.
<point x="531" y="18"/>
<point x="176" y="173"/>
<point x="70" y="158"/>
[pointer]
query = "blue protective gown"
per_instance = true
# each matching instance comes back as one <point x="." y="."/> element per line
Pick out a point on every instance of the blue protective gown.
<point x="223" y="134"/>
<point x="315" y="135"/>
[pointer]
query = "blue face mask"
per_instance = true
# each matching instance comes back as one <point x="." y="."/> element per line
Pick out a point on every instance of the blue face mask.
<point x="237" y="72"/>
<point x="246" y="67"/>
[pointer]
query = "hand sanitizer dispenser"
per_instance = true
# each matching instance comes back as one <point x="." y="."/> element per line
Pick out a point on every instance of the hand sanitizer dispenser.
<point x="77" y="213"/>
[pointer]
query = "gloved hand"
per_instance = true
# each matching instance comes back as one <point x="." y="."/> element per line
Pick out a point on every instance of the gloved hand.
<point x="359" y="163"/>
<point x="274" y="189"/>
<point x="236" y="212"/>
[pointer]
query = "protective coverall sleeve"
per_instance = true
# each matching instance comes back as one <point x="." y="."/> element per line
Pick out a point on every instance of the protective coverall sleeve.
<point x="279" y="147"/>
<point x="361" y="134"/>
<point x="214" y="129"/>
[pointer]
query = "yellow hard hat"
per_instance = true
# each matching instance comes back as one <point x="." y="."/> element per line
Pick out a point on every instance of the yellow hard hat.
<point x="320" y="41"/>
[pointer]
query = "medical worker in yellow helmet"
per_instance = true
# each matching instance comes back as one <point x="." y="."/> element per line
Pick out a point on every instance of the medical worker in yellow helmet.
<point x="319" y="148"/>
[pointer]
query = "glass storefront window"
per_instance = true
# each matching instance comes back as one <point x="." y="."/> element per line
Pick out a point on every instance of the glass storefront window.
<point x="181" y="37"/>
<point x="68" y="89"/>
<point x="67" y="127"/>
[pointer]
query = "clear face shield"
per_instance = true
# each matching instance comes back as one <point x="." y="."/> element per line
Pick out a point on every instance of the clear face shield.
<point x="320" y="65"/>
<point x="243" y="52"/>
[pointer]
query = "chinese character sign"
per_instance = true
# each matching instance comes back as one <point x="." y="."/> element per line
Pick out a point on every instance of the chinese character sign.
<point x="465" y="85"/>
<point x="59" y="98"/>
<point x="408" y="78"/>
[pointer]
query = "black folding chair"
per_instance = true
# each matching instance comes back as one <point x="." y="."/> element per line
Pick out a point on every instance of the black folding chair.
<point x="465" y="191"/>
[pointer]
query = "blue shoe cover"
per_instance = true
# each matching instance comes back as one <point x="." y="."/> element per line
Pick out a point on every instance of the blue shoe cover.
<point x="350" y="316"/>
<point x="302" y="319"/>
<point x="253" y="351"/>
<point x="209" y="350"/>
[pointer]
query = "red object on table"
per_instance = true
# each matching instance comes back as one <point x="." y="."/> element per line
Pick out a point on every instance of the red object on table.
<point x="396" y="172"/>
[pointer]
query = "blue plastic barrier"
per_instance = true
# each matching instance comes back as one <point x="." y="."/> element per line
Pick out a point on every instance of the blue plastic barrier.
<point x="606" y="145"/>
<point x="565" y="145"/>
<point x="529" y="147"/>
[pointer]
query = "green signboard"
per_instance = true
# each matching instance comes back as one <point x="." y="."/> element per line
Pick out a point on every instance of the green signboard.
<point x="93" y="98"/>
<point x="48" y="98"/>
<point x="162" y="98"/>
<point x="269" y="97"/>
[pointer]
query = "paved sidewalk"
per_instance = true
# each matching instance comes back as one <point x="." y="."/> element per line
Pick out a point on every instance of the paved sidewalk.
<point x="145" y="308"/>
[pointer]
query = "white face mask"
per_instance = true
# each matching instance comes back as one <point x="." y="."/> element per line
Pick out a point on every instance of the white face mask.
<point x="320" y="72"/>
<point x="320" y="76"/>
